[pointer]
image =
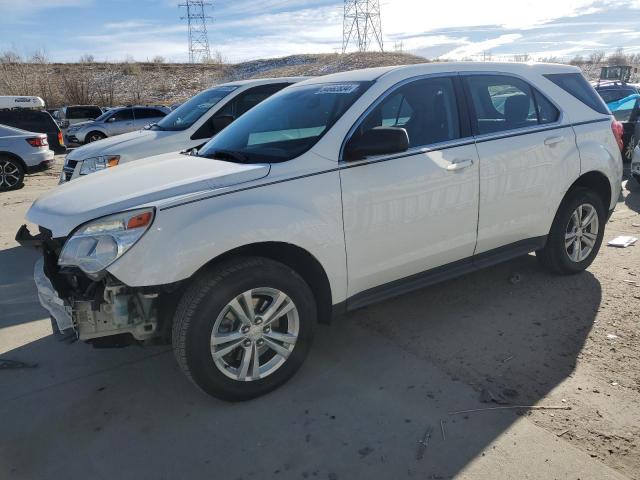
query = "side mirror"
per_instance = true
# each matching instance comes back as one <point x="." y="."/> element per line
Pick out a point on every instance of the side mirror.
<point x="111" y="119"/>
<point x="377" y="141"/>
<point x="218" y="123"/>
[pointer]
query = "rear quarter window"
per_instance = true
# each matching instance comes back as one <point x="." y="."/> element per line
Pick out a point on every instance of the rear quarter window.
<point x="577" y="86"/>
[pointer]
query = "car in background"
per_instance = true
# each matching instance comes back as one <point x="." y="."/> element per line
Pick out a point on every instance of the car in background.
<point x="21" y="152"/>
<point x="115" y="122"/>
<point x="612" y="91"/>
<point x="39" y="121"/>
<point x="187" y="127"/>
<point x="627" y="112"/>
<point x="73" y="114"/>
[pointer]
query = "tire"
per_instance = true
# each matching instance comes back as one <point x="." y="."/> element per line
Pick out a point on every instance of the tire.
<point x="204" y="316"/>
<point x="94" y="137"/>
<point x="565" y="258"/>
<point x="628" y="150"/>
<point x="11" y="174"/>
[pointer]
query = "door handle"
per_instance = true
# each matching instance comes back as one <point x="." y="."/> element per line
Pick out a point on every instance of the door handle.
<point x="553" y="140"/>
<point x="458" y="165"/>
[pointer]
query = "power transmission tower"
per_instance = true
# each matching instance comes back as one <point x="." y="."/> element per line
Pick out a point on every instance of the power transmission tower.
<point x="197" y="22"/>
<point x="361" y="24"/>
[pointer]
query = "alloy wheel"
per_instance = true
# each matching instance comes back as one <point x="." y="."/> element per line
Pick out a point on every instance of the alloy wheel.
<point x="9" y="174"/>
<point x="582" y="232"/>
<point x="630" y="147"/>
<point x="254" y="334"/>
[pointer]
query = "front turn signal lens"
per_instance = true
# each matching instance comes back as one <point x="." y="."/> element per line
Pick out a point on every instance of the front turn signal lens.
<point x="141" y="220"/>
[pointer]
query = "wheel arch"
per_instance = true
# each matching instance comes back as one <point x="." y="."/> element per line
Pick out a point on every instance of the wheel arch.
<point x="295" y="257"/>
<point x="13" y="156"/>
<point x="95" y="130"/>
<point x="597" y="182"/>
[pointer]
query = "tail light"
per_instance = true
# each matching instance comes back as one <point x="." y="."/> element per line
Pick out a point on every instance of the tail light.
<point x="618" y="130"/>
<point x="38" y="141"/>
<point x="60" y="139"/>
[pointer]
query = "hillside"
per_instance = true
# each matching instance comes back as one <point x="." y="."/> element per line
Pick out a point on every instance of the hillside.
<point x="109" y="84"/>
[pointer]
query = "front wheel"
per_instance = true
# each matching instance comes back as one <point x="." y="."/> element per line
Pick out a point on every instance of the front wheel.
<point x="94" y="137"/>
<point x="576" y="233"/>
<point x="244" y="328"/>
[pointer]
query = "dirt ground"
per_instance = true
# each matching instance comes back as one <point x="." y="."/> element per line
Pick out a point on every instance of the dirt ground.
<point x="514" y="334"/>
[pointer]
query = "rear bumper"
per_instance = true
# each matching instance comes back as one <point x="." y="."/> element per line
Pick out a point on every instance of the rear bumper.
<point x="40" y="160"/>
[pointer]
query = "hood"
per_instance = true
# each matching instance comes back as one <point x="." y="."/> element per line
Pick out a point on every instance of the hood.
<point x="116" y="145"/>
<point x="79" y="125"/>
<point x="144" y="182"/>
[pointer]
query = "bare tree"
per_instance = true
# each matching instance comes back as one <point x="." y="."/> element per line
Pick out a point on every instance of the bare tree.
<point x="158" y="59"/>
<point x="597" y="57"/>
<point x="87" y="58"/>
<point x="618" y="57"/>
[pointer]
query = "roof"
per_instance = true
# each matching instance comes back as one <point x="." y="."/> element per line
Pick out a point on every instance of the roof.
<point x="263" y="81"/>
<point x="370" y="74"/>
<point x="13" y="101"/>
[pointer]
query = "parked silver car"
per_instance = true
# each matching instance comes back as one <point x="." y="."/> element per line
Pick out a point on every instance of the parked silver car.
<point x="115" y="122"/>
<point x="20" y="153"/>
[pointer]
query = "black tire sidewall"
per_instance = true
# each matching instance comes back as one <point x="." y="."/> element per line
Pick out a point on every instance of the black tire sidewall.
<point x="20" y="169"/>
<point x="219" y="291"/>
<point x="98" y="136"/>
<point x="557" y="241"/>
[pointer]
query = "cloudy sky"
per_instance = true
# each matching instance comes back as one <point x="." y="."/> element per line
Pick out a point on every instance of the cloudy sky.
<point x="250" y="29"/>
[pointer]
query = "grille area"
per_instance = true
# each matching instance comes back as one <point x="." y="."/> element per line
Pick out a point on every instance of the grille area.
<point x="69" y="167"/>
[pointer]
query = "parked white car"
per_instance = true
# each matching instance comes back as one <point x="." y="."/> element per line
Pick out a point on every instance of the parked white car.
<point x="21" y="152"/>
<point x="333" y="194"/>
<point x="189" y="126"/>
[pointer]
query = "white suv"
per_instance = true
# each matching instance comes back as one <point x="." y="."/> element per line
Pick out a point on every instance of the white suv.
<point x="189" y="126"/>
<point x="333" y="194"/>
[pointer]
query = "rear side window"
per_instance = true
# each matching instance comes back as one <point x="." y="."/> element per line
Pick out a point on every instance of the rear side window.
<point x="426" y="109"/>
<point x="576" y="85"/>
<point x="501" y="103"/>
<point x="249" y="99"/>
<point x="142" y="113"/>
<point x="123" y="115"/>
<point x="613" y="95"/>
<point x="83" y="112"/>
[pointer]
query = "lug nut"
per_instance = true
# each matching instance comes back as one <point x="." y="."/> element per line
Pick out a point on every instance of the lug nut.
<point x="267" y="329"/>
<point x="245" y="329"/>
<point x="260" y="342"/>
<point x="246" y="343"/>
<point x="258" y="320"/>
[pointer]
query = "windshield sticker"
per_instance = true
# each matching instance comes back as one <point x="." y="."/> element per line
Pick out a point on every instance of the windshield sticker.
<point x="343" y="88"/>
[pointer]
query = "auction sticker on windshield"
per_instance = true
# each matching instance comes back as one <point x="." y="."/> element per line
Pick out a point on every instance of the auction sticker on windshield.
<point x="344" y="88"/>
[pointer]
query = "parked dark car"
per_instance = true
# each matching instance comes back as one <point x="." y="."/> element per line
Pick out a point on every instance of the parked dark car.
<point x="627" y="112"/>
<point x="614" y="91"/>
<point x="39" y="121"/>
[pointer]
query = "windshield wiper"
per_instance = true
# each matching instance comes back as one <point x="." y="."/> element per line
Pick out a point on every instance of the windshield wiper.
<point x="228" y="154"/>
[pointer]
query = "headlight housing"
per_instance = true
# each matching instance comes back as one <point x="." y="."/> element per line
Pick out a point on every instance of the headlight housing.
<point x="94" y="164"/>
<point x="99" y="243"/>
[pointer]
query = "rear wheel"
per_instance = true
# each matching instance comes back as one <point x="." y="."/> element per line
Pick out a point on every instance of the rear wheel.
<point x="576" y="233"/>
<point x="244" y="328"/>
<point x="11" y="174"/>
<point x="94" y="137"/>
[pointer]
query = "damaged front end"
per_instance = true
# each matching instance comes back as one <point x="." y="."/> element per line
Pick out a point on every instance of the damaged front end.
<point x="95" y="307"/>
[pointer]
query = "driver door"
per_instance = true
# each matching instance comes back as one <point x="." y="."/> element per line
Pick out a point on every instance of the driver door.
<point x="121" y="122"/>
<point x="408" y="213"/>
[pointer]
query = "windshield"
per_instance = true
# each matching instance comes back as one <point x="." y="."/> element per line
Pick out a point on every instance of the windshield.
<point x="285" y="125"/>
<point x="104" y="116"/>
<point x="189" y="112"/>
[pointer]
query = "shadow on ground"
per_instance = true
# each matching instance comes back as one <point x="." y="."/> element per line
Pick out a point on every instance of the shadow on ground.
<point x="376" y="383"/>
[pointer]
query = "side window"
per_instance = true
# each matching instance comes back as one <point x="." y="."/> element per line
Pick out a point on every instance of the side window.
<point x="426" y="109"/>
<point x="122" y="115"/>
<point x="142" y="113"/>
<point x="576" y="85"/>
<point x="547" y="112"/>
<point x="501" y="103"/>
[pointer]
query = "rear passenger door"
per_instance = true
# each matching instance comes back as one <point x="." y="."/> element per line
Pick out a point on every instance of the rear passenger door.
<point x="145" y="116"/>
<point x="527" y="155"/>
<point x="408" y="213"/>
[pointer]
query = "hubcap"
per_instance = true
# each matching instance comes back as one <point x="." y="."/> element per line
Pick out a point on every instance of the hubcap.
<point x="9" y="174"/>
<point x="630" y="147"/>
<point x="582" y="232"/>
<point x="254" y="334"/>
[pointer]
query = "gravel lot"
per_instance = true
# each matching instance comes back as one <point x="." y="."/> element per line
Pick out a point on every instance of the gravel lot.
<point x="373" y="401"/>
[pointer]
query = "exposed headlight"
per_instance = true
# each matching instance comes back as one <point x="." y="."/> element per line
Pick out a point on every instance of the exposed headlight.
<point x="93" y="164"/>
<point x="99" y="243"/>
